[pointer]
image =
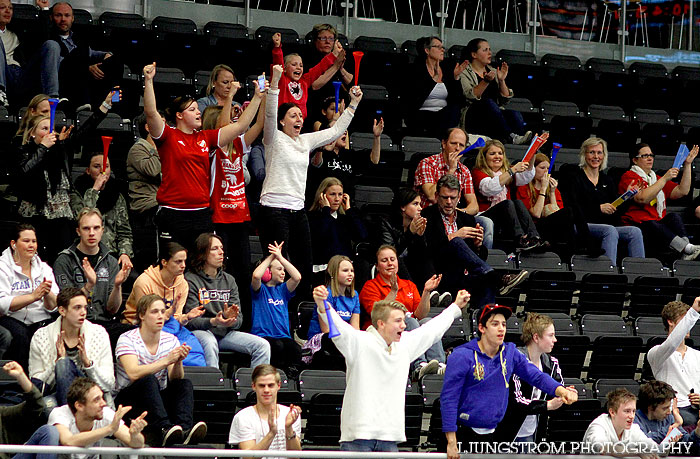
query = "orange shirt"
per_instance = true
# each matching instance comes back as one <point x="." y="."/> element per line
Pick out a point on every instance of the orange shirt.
<point x="377" y="289"/>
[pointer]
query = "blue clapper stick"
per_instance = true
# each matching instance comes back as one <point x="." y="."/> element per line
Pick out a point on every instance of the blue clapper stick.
<point x="332" y="329"/>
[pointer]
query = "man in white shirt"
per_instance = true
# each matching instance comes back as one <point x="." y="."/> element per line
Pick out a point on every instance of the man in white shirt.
<point x="615" y="433"/>
<point x="378" y="360"/>
<point x="677" y="364"/>
<point x="86" y="420"/>
<point x="260" y="426"/>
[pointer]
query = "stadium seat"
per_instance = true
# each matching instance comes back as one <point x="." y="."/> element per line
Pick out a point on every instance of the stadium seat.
<point x="615" y="89"/>
<point x="603" y="325"/>
<point x="605" y="112"/>
<point x="522" y="105"/>
<point x="323" y="418"/>
<point x="552" y="108"/>
<point x="408" y="47"/>
<point x="663" y="139"/>
<point x="602" y="294"/>
<point x="365" y="140"/>
<point x="599" y="65"/>
<point x="648" y="70"/>
<point x="650" y="294"/>
<point x="685" y="269"/>
<point x="688" y="120"/>
<point x="413" y="422"/>
<point x="498" y="259"/>
<point x="584" y="393"/>
<point x="571" y="131"/>
<point x="375" y="105"/>
<point x="381" y="62"/>
<point x="313" y="382"/>
<point x="618" y="133"/>
<point x="305" y="312"/>
<point x="571" y="85"/>
<point x="615" y="356"/>
<point x="571" y="352"/>
<point x="657" y="93"/>
<point x="527" y="81"/>
<point x="649" y="327"/>
<point x="455" y="335"/>
<point x="365" y="194"/>
<point x="550" y="291"/>
<point x="582" y="264"/>
<point x="514" y="57"/>
<point x="686" y="73"/>
<point x="563" y="325"/>
<point x="648" y="115"/>
<point x="215" y="30"/>
<point x="568" y="422"/>
<point x="214" y="401"/>
<point x="127" y="35"/>
<point x="549" y="261"/>
<point x="560" y="61"/>
<point x="603" y="386"/>
<point x="634" y="267"/>
<point x="411" y="145"/>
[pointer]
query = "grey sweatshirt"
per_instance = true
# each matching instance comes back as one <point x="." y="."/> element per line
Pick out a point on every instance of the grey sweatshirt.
<point x="214" y="294"/>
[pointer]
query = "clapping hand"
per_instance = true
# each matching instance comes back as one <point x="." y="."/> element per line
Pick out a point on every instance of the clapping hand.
<point x="275" y="249"/>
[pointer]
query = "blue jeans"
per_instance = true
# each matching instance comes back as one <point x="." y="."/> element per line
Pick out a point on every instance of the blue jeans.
<point x="610" y="235"/>
<point x="434" y="352"/>
<point x="44" y="436"/>
<point x="66" y="371"/>
<point x="258" y="348"/>
<point x="50" y="63"/>
<point x="367" y="446"/>
<point x="487" y="224"/>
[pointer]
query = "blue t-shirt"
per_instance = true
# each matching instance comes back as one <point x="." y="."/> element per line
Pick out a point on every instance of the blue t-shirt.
<point x="270" y="314"/>
<point x="343" y="305"/>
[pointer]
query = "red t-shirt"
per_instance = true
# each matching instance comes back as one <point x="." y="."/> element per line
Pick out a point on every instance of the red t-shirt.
<point x="377" y="289"/>
<point x="523" y="193"/>
<point x="478" y="175"/>
<point x="185" y="161"/>
<point x="637" y="213"/>
<point x="228" y="200"/>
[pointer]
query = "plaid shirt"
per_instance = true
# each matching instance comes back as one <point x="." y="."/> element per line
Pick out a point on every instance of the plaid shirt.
<point x="450" y="223"/>
<point x="430" y="170"/>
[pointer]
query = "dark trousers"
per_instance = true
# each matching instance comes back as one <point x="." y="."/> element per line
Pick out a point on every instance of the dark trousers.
<point x="486" y="117"/>
<point x="328" y="357"/>
<point x="235" y="237"/>
<point x="462" y="268"/>
<point x="433" y="124"/>
<point x="662" y="231"/>
<point x="182" y="226"/>
<point x="168" y="407"/>
<point x="5" y="340"/>
<point x="22" y="333"/>
<point x="78" y="85"/>
<point x="292" y="227"/>
<point x="145" y="234"/>
<point x="53" y="236"/>
<point x="511" y="219"/>
<point x="286" y="354"/>
<point x="564" y="227"/>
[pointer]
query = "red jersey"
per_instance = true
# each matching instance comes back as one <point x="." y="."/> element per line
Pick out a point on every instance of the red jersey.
<point x="478" y="175"/>
<point x="523" y="193"/>
<point x="185" y="161"/>
<point x="637" y="213"/>
<point x="377" y="289"/>
<point x="297" y="92"/>
<point x="228" y="200"/>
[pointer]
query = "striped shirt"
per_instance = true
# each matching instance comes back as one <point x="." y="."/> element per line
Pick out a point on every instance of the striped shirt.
<point x="131" y="343"/>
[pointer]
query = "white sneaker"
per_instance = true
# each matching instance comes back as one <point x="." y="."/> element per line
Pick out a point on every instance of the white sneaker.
<point x="692" y="255"/>
<point x="3" y="98"/>
<point x="522" y="139"/>
<point x="434" y="298"/>
<point x="428" y="368"/>
<point x="441" y="368"/>
<point x="445" y="300"/>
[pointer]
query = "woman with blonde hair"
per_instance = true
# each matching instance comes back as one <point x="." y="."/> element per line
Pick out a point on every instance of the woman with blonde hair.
<point x="493" y="177"/>
<point x="222" y="83"/>
<point x="39" y="105"/>
<point x="334" y="224"/>
<point x="553" y="220"/>
<point x="342" y="296"/>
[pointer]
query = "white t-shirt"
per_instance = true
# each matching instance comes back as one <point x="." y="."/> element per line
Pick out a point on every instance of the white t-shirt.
<point x="437" y="99"/>
<point x="601" y="434"/>
<point x="529" y="426"/>
<point x="247" y="425"/>
<point x="63" y="415"/>
<point x="131" y="343"/>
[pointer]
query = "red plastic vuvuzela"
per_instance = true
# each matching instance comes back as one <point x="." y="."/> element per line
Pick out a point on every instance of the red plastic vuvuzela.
<point x="106" y="140"/>
<point x="358" y="57"/>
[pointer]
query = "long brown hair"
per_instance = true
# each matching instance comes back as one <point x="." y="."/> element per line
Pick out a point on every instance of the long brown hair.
<point x="539" y="157"/>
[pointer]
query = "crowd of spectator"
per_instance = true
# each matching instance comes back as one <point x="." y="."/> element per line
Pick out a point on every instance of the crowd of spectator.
<point x="208" y="172"/>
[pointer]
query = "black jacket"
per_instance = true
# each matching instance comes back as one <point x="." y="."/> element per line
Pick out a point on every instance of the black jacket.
<point x="521" y="405"/>
<point x="436" y="237"/>
<point x="334" y="236"/>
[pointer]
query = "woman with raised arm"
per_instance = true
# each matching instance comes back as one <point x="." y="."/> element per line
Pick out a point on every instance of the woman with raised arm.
<point x="287" y="151"/>
<point x="185" y="153"/>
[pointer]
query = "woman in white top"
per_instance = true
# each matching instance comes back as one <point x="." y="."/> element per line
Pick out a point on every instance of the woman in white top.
<point x="432" y="95"/>
<point x="282" y="215"/>
<point x="27" y="292"/>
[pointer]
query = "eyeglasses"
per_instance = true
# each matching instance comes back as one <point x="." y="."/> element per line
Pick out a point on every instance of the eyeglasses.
<point x="326" y="39"/>
<point x="646" y="155"/>
<point x="448" y="198"/>
<point x="490" y="307"/>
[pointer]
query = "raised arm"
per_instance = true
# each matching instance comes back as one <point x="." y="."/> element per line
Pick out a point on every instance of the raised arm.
<point x="230" y="132"/>
<point x="294" y="274"/>
<point x="153" y="119"/>
<point x="256" y="281"/>
<point x="257" y="128"/>
<point x="271" y="105"/>
<point x="316" y="139"/>
<point x="683" y="188"/>
<point x="377" y="130"/>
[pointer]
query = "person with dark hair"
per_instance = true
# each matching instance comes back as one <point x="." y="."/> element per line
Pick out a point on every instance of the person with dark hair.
<point x="487" y="94"/>
<point x="432" y="96"/>
<point x="143" y="173"/>
<point x="430" y="169"/>
<point x="42" y="172"/>
<point x="150" y="376"/>
<point x="493" y="178"/>
<point x="214" y="292"/>
<point x="19" y="421"/>
<point x="69" y="348"/>
<point x="592" y="191"/>
<point x="676" y="363"/>
<point x="295" y="83"/>
<point x="455" y="243"/>
<point x="553" y="220"/>
<point x="70" y="67"/>
<point x="614" y="431"/>
<point x="185" y="154"/>
<point x="282" y="215"/>
<point x="648" y="208"/>
<point x="86" y="420"/>
<point x="266" y="425"/>
<point x="98" y="188"/>
<point x="79" y="265"/>
<point x="167" y="280"/>
<point x="335" y="225"/>
<point x="404" y="229"/>
<point x="525" y="420"/>
<point x="657" y="414"/>
<point x="27" y="292"/>
<point x="377" y="366"/>
<point x="474" y="395"/>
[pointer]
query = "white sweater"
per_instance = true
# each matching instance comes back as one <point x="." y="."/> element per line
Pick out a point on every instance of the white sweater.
<point x="42" y="354"/>
<point x="14" y="283"/>
<point x="601" y="434"/>
<point x="287" y="159"/>
<point x="375" y="394"/>
<point x="668" y="365"/>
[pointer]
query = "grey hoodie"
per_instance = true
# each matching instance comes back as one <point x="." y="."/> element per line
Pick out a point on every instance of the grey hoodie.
<point x="214" y="294"/>
<point x="68" y="270"/>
